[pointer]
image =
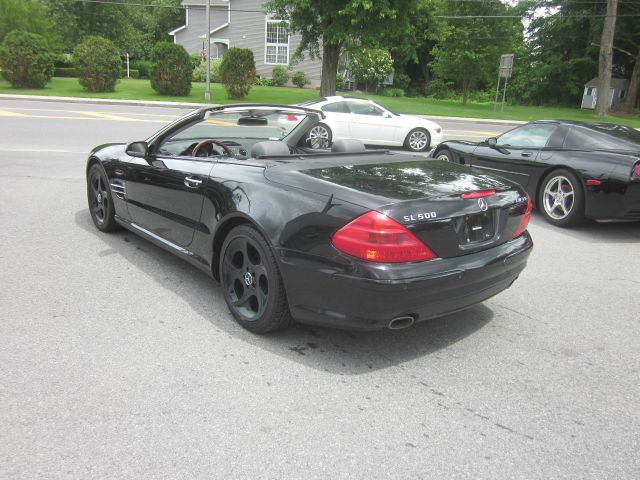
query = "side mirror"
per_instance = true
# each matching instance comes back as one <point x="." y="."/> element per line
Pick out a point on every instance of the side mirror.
<point x="387" y="115"/>
<point x="492" y="142"/>
<point x="138" y="149"/>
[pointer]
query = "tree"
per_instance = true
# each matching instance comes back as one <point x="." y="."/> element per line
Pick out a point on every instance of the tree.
<point x="238" y="71"/>
<point x="98" y="65"/>
<point x="134" y="28"/>
<point x="370" y="66"/>
<point x="24" y="15"/>
<point x="25" y="60"/>
<point x="329" y="25"/>
<point x="605" y="59"/>
<point x="172" y="69"/>
<point x="470" y="46"/>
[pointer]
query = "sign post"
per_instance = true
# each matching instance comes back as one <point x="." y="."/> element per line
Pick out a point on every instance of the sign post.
<point x="504" y="71"/>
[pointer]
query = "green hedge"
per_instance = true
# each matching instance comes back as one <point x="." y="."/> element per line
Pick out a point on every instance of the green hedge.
<point x="66" y="72"/>
<point x="98" y="64"/>
<point x="25" y="60"/>
<point x="172" y="69"/>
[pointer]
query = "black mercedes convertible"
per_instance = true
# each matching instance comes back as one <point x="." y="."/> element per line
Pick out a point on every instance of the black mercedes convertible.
<point x="345" y="237"/>
<point x="572" y="170"/>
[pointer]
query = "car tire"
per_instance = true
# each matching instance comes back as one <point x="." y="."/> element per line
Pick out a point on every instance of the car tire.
<point x="100" y="200"/>
<point x="445" y="155"/>
<point x="251" y="282"/>
<point x="418" y="140"/>
<point x="561" y="199"/>
<point x="319" y="136"/>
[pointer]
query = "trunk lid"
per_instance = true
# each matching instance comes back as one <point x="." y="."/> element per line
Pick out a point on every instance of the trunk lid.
<point x="423" y="195"/>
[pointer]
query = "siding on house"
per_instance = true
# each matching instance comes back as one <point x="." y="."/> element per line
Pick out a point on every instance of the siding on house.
<point x="246" y="29"/>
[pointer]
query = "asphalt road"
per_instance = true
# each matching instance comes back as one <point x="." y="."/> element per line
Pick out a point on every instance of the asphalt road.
<point x="118" y="360"/>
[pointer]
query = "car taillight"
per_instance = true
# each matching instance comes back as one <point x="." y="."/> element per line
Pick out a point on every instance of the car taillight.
<point x="292" y="118"/>
<point x="636" y="170"/>
<point x="374" y="237"/>
<point x="483" y="193"/>
<point x="524" y="221"/>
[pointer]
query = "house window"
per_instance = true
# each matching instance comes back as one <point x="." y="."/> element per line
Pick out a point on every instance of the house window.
<point x="590" y="91"/>
<point x="276" y="42"/>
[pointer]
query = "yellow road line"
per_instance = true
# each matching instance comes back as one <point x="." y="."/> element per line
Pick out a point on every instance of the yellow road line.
<point x="219" y="122"/>
<point x="57" y="110"/>
<point x="106" y="116"/>
<point x="55" y="117"/>
<point x="7" y="113"/>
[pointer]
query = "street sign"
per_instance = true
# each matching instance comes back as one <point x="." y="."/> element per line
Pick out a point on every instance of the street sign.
<point x="506" y="65"/>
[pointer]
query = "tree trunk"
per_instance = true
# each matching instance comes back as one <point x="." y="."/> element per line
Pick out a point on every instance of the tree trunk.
<point x="605" y="61"/>
<point x="466" y="86"/>
<point x="631" y="99"/>
<point x="330" y="56"/>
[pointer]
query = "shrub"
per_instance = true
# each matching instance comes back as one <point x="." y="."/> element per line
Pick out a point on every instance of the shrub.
<point x="65" y="72"/>
<point x="401" y="80"/>
<point x="196" y="59"/>
<point x="300" y="79"/>
<point x="133" y="73"/>
<point x="172" y="69"/>
<point x="341" y="82"/>
<point x="438" y="89"/>
<point x="63" y="60"/>
<point x="393" y="92"/>
<point x="263" y="82"/>
<point x="143" y="67"/>
<point x="200" y="72"/>
<point x="25" y="60"/>
<point x="279" y="76"/>
<point x="238" y="71"/>
<point x="98" y="64"/>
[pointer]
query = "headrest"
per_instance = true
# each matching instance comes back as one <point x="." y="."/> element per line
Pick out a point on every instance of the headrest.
<point x="269" y="148"/>
<point x="348" y="145"/>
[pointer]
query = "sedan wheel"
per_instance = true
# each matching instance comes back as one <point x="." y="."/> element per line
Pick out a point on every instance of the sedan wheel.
<point x="100" y="200"/>
<point x="562" y="199"/>
<point x="418" y="140"/>
<point x="319" y="136"/>
<point x="251" y="282"/>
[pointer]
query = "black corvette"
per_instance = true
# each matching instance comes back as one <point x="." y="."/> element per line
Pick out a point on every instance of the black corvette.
<point x="571" y="170"/>
<point x="347" y="237"/>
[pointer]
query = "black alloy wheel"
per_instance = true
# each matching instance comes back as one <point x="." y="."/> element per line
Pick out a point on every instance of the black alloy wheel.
<point x="251" y="282"/>
<point x="100" y="200"/>
<point x="561" y="199"/>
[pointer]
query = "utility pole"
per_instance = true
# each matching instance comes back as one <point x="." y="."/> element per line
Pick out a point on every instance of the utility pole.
<point x="207" y="89"/>
<point x="605" y="60"/>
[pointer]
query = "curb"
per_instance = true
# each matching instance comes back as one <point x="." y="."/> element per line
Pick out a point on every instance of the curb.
<point x="158" y="103"/>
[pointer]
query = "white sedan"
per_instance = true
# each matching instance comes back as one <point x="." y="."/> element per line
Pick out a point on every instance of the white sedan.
<point x="361" y="118"/>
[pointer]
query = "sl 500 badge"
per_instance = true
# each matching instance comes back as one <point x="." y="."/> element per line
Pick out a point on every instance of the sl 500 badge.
<point x="419" y="216"/>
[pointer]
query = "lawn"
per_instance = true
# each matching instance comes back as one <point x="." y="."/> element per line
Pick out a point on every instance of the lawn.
<point x="129" y="89"/>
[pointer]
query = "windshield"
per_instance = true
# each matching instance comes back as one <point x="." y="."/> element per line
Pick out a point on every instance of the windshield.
<point x="234" y="131"/>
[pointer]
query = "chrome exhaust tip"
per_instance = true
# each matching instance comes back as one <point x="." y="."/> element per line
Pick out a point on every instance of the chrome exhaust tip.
<point x="399" y="323"/>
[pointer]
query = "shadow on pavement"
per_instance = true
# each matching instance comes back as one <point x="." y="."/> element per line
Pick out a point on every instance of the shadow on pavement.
<point x="596" y="232"/>
<point x="325" y="349"/>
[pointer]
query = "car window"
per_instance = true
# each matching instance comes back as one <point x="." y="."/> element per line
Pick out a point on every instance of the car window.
<point x="613" y="137"/>
<point x="336" y="107"/>
<point x="365" y="108"/>
<point x="235" y="127"/>
<point x="534" y="135"/>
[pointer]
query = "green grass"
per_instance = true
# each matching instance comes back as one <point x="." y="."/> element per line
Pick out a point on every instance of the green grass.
<point x="129" y="89"/>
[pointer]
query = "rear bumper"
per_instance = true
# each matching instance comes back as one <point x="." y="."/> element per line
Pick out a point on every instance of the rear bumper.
<point x="370" y="295"/>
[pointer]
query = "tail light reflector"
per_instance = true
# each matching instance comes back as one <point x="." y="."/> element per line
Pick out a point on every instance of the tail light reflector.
<point x="472" y="195"/>
<point x="374" y="237"/>
<point x="292" y="118"/>
<point x="524" y="221"/>
<point x="636" y="170"/>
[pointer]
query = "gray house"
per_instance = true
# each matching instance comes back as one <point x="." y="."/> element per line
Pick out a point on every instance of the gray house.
<point x="243" y="23"/>
<point x="619" y="87"/>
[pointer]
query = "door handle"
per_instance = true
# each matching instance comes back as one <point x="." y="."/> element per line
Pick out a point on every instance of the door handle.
<point x="527" y="154"/>
<point x="192" y="182"/>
